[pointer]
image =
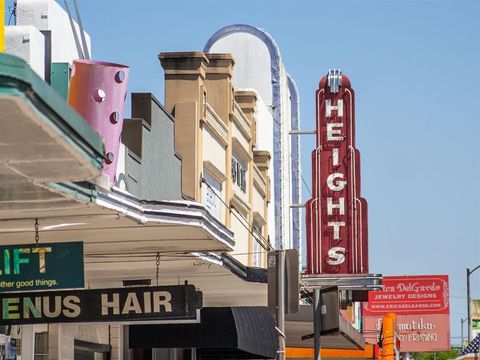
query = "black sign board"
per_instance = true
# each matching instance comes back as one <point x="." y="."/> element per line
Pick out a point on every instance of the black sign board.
<point x="167" y="304"/>
<point x="329" y="310"/>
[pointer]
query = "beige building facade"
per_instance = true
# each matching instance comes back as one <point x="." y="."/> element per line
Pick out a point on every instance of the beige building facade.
<point x="215" y="137"/>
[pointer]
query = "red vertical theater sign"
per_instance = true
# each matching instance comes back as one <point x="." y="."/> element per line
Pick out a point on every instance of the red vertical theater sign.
<point x="337" y="227"/>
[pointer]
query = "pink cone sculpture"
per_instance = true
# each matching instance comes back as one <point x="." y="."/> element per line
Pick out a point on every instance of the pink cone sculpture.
<point x="97" y="92"/>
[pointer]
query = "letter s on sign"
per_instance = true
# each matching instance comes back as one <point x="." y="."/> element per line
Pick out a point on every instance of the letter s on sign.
<point x="336" y="255"/>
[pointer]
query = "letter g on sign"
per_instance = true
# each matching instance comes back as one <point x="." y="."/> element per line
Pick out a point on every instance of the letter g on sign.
<point x="336" y="185"/>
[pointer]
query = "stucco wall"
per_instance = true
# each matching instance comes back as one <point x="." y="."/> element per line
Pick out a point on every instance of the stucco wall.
<point x="213" y="151"/>
<point x="27" y="42"/>
<point x="49" y="15"/>
<point x="156" y="175"/>
<point x="241" y="237"/>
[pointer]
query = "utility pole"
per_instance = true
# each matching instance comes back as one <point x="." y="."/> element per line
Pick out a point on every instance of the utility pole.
<point x="469" y="319"/>
<point x="281" y="303"/>
<point x="469" y="313"/>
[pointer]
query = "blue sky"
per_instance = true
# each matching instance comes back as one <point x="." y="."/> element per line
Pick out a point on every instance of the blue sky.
<point x="415" y="68"/>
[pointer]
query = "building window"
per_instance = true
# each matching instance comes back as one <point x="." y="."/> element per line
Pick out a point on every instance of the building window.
<point x="41" y="346"/>
<point x="211" y="195"/>
<point x="204" y="104"/>
<point x="239" y="174"/>
<point x="257" y="249"/>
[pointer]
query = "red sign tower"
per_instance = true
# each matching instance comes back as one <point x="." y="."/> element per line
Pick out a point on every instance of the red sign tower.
<point x="337" y="227"/>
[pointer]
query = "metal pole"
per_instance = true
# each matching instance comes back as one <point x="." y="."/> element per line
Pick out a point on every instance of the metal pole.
<point x="469" y="318"/>
<point x="317" y="324"/>
<point x="461" y="331"/>
<point x="302" y="132"/>
<point x="281" y="303"/>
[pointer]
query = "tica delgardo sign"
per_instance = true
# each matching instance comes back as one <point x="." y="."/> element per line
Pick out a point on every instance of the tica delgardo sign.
<point x="337" y="232"/>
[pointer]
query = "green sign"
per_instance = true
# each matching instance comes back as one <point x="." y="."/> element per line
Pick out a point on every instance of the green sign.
<point x="42" y="266"/>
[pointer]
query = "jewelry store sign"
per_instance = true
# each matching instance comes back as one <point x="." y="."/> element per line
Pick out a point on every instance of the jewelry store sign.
<point x="164" y="304"/>
<point x="43" y="266"/>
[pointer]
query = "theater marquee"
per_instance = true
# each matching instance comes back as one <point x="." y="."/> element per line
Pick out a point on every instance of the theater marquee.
<point x="337" y="234"/>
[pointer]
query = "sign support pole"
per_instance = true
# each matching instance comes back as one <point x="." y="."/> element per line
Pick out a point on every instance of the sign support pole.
<point x="281" y="303"/>
<point x="317" y="323"/>
<point x="469" y="314"/>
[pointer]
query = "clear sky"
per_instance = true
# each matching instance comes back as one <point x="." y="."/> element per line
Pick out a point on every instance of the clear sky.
<point x="415" y="66"/>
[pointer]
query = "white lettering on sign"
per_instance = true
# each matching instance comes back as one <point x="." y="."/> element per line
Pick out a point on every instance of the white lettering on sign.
<point x="336" y="186"/>
<point x="336" y="255"/>
<point x="335" y="156"/>
<point x="336" y="228"/>
<point x="114" y="304"/>
<point x="329" y="107"/>
<point x="131" y="304"/>
<point x="334" y="132"/>
<point x="416" y="287"/>
<point x="72" y="306"/>
<point x="161" y="303"/>
<point x="340" y="206"/>
<point x="162" y="298"/>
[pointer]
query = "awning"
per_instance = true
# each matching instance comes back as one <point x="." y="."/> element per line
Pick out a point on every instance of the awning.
<point x="120" y="224"/>
<point x="223" y="333"/>
<point x="301" y="324"/>
<point x="43" y="142"/>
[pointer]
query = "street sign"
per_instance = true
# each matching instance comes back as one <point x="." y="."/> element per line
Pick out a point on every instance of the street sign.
<point x="43" y="266"/>
<point x="291" y="281"/>
<point x="165" y="304"/>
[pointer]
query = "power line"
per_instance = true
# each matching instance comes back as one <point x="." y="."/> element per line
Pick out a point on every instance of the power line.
<point x="300" y="173"/>
<point x="305" y="183"/>
<point x="258" y="237"/>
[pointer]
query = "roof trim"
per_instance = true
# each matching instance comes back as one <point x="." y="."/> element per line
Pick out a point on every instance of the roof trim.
<point x="180" y="212"/>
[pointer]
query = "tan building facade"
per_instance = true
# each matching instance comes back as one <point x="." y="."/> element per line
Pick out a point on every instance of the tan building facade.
<point x="215" y="135"/>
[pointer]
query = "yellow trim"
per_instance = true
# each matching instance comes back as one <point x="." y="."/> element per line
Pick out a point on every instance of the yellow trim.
<point x="2" y="25"/>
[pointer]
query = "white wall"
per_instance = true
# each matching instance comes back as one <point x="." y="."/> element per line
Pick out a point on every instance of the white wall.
<point x="252" y="62"/>
<point x="265" y="142"/>
<point x="49" y="15"/>
<point x="27" y="42"/>
<point x="253" y="70"/>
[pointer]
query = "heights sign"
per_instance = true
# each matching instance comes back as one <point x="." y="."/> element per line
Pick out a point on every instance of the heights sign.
<point x="337" y="227"/>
